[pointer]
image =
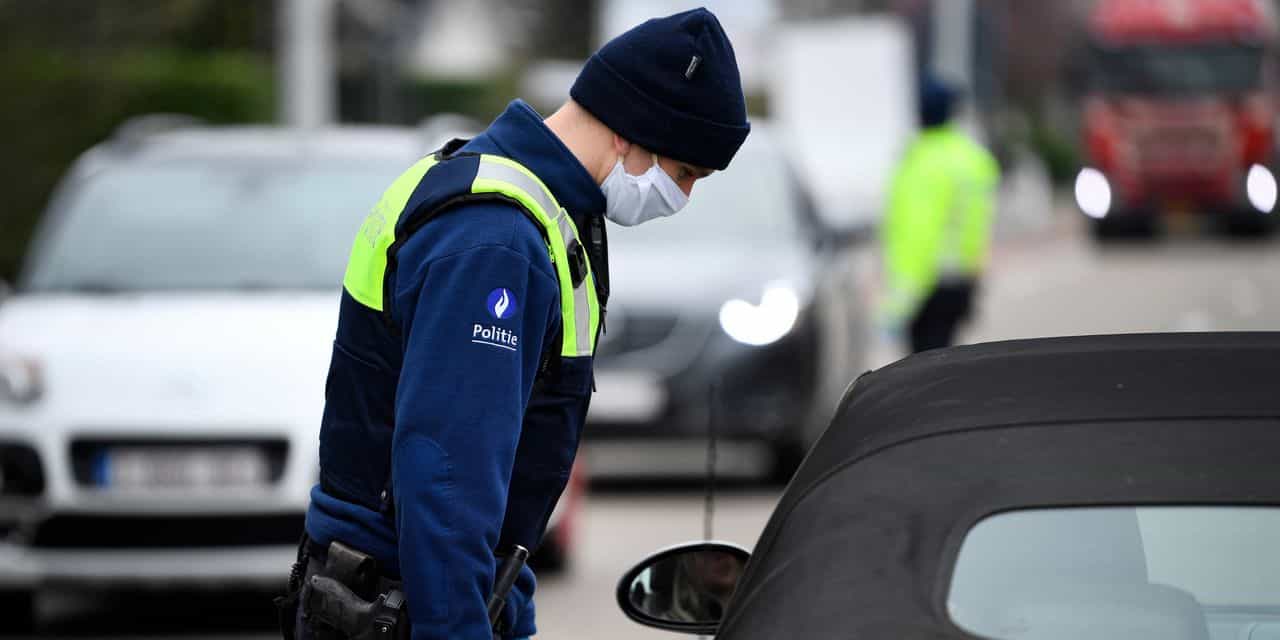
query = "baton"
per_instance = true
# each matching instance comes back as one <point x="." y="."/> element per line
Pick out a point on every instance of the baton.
<point x="508" y="571"/>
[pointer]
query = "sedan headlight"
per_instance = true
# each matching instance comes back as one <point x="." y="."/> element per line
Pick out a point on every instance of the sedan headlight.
<point x="764" y="323"/>
<point x="21" y="380"/>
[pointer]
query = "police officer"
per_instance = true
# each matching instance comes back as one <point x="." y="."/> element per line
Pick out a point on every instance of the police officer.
<point x="472" y="302"/>
<point x="937" y="230"/>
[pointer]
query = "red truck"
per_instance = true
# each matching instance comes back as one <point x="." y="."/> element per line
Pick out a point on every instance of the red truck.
<point x="1180" y="114"/>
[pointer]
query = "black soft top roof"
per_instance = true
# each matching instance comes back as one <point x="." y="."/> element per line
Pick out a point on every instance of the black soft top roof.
<point x="1054" y="380"/>
<point x="920" y="450"/>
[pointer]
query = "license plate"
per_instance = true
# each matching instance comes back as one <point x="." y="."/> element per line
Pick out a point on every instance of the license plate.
<point x="162" y="469"/>
<point x="627" y="396"/>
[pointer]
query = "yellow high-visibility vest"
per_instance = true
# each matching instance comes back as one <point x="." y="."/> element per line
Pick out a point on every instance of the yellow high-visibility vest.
<point x="938" y="224"/>
<point x="440" y="182"/>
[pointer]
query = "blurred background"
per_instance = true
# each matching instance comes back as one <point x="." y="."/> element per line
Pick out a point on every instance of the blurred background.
<point x="182" y="180"/>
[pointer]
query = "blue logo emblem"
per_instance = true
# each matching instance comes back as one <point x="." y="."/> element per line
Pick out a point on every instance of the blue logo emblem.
<point x="502" y="303"/>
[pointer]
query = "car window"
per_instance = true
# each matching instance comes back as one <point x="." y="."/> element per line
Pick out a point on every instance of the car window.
<point x="753" y="202"/>
<point x="1133" y="573"/>
<point x="212" y="224"/>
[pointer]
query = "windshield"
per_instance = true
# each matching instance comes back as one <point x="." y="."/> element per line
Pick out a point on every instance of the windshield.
<point x="1187" y="70"/>
<point x="1134" y="573"/>
<point x="210" y="224"/>
<point x="754" y="202"/>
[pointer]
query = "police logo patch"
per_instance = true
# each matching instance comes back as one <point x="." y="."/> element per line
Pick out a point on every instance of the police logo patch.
<point x="501" y="303"/>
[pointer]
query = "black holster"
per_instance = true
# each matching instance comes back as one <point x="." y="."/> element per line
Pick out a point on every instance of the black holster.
<point x="347" y="598"/>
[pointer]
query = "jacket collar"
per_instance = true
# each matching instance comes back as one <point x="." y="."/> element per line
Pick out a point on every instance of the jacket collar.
<point x="519" y="134"/>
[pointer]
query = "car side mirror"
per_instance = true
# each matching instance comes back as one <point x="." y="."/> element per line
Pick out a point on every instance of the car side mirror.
<point x="847" y="237"/>
<point x="840" y="238"/>
<point x="686" y="588"/>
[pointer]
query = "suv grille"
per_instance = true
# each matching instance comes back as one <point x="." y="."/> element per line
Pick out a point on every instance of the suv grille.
<point x="138" y="532"/>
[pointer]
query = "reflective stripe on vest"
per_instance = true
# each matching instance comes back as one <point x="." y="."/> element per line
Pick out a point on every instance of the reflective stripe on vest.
<point x="366" y="275"/>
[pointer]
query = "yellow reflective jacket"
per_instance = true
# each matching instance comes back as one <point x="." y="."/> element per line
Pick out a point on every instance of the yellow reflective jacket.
<point x="941" y="205"/>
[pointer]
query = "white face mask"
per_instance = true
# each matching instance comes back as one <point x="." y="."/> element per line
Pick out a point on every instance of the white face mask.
<point x="631" y="200"/>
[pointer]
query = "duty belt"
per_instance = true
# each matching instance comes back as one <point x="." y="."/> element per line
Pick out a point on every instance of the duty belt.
<point x="347" y="597"/>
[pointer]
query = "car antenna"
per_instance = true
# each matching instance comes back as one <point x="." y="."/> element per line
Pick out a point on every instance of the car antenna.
<point x="709" y="508"/>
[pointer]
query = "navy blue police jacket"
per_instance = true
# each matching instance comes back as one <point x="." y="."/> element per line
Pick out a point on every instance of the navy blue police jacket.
<point x="446" y="440"/>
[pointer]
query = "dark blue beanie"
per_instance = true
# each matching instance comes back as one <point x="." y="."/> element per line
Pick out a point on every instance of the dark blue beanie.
<point x="670" y="85"/>
<point x="937" y="102"/>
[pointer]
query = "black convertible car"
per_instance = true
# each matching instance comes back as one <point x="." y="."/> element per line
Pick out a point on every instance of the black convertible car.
<point x="1111" y="487"/>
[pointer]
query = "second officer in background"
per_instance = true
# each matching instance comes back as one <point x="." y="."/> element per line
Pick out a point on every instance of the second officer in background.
<point x="937" y="231"/>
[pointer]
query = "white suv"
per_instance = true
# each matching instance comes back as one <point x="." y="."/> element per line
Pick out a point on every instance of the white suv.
<point x="162" y="363"/>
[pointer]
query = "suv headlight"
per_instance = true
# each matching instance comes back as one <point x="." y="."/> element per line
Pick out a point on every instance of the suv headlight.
<point x="21" y="475"/>
<point x="765" y="323"/>
<point x="21" y="380"/>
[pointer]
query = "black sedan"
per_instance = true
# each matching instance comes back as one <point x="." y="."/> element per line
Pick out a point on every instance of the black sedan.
<point x="745" y="310"/>
<point x="1122" y="487"/>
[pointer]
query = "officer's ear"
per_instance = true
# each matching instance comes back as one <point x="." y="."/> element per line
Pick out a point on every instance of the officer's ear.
<point x="620" y="146"/>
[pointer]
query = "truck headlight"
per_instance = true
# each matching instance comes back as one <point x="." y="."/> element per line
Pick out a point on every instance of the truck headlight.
<point x="1260" y="186"/>
<point x="1093" y="193"/>
<point x="21" y="380"/>
<point x="765" y="323"/>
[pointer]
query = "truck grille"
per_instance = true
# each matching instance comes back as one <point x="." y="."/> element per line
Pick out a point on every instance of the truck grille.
<point x="1180" y="147"/>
